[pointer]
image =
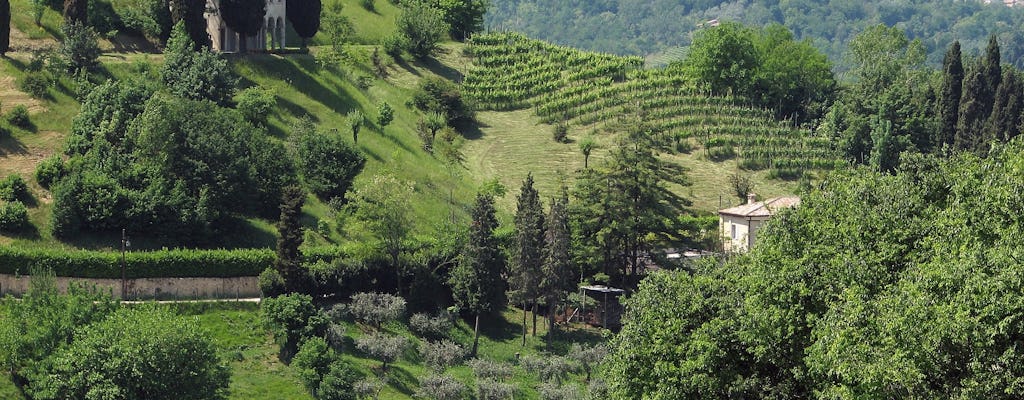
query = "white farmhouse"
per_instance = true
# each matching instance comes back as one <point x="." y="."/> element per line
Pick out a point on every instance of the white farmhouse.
<point x="740" y="224"/>
<point x="270" y="37"/>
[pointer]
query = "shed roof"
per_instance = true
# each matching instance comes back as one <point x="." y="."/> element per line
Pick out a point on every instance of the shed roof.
<point x="765" y="208"/>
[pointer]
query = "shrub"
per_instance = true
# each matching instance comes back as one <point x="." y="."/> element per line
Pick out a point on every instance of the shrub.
<point x="328" y="164"/>
<point x="313" y="361"/>
<point x="440" y="387"/>
<point x="553" y="391"/>
<point x="80" y="48"/>
<point x="487" y="369"/>
<point x="561" y="132"/>
<point x="138" y="264"/>
<point x="376" y="308"/>
<point x="547" y="366"/>
<point x="442" y="354"/>
<point x="13" y="217"/>
<point x="293" y="318"/>
<point x="18" y="116"/>
<point x="444" y="97"/>
<point x="367" y="388"/>
<point x="394" y="45"/>
<point x="487" y="389"/>
<point x="271" y="283"/>
<point x="369" y="5"/>
<point x="36" y="84"/>
<point x="339" y="383"/>
<point x="385" y="348"/>
<point x="13" y="188"/>
<point x="385" y="114"/>
<point x="255" y="104"/>
<point x="429" y="326"/>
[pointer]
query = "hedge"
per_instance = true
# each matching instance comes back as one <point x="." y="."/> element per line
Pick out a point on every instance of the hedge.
<point x="148" y="264"/>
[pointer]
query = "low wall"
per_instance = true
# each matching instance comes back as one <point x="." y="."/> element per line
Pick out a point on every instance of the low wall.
<point x="151" y="288"/>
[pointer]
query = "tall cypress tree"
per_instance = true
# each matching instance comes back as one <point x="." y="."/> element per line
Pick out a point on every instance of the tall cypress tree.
<point x="528" y="254"/>
<point x="476" y="280"/>
<point x="992" y="69"/>
<point x="1003" y="123"/>
<point x="288" y="262"/>
<point x="244" y="17"/>
<point x="949" y="100"/>
<point x="556" y="272"/>
<point x="305" y="17"/>
<point x="972" y="115"/>
<point x="5" y="27"/>
<point x="190" y="12"/>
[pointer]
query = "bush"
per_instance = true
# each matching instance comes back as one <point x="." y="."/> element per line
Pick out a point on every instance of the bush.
<point x="369" y="5"/>
<point x="442" y="354"/>
<point x="13" y="217"/>
<point x="440" y="387"/>
<point x="313" y="361"/>
<point x="152" y="18"/>
<point x="561" y="132"/>
<point x="376" y="308"/>
<point x="385" y="348"/>
<point x="385" y="114"/>
<point x="80" y="48"/>
<point x="487" y="389"/>
<point x="428" y="326"/>
<point x="36" y="84"/>
<point x="18" y="116"/>
<point x="293" y="318"/>
<point x="328" y="164"/>
<point x="553" y="391"/>
<point x="487" y="369"/>
<point x="444" y="97"/>
<point x="394" y="45"/>
<point x="49" y="171"/>
<point x="271" y="283"/>
<point x="135" y="350"/>
<point x="13" y="188"/>
<point x="339" y="383"/>
<point x="256" y="104"/>
<point x="138" y="264"/>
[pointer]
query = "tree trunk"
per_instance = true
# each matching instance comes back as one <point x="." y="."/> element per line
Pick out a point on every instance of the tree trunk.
<point x="476" y="335"/>
<point x="534" y="317"/>
<point x="524" y="322"/>
<point x="398" y="275"/>
<point x="551" y="318"/>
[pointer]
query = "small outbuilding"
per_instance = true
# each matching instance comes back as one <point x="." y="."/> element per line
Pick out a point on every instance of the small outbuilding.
<point x="740" y="224"/>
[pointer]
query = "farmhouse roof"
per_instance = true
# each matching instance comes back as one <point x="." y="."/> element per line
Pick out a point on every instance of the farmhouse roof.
<point x="765" y="208"/>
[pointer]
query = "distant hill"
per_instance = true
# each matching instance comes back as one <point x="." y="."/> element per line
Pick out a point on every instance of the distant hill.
<point x="654" y="27"/>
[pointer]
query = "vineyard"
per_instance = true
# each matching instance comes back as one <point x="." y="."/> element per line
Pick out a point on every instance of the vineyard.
<point x="593" y="90"/>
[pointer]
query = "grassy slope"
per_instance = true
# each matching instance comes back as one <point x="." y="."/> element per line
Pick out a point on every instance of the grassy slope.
<point x="257" y="374"/>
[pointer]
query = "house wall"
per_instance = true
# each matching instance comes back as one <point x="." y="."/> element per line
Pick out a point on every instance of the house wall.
<point x="745" y="232"/>
<point x="270" y="37"/>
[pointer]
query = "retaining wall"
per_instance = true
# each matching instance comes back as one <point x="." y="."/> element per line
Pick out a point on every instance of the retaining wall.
<point x="151" y="288"/>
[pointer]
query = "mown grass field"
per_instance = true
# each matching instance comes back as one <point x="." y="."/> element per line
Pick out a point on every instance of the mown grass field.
<point x="257" y="374"/>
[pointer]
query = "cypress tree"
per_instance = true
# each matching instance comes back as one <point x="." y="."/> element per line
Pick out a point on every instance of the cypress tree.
<point x="190" y="12"/>
<point x="972" y="115"/>
<point x="288" y="262"/>
<point x="476" y="279"/>
<point x="992" y="69"/>
<point x="1003" y="123"/>
<point x="76" y="11"/>
<point x="244" y="17"/>
<point x="949" y="101"/>
<point x="556" y="272"/>
<point x="305" y="17"/>
<point x="528" y="255"/>
<point x="5" y="27"/>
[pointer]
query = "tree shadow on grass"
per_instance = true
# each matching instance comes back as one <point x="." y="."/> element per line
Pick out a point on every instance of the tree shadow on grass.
<point x="402" y="380"/>
<point x="497" y="328"/>
<point x="336" y="100"/>
<point x="11" y="146"/>
<point x="442" y="70"/>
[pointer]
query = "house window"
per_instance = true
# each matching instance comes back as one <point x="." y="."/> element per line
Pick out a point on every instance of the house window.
<point x="733" y="230"/>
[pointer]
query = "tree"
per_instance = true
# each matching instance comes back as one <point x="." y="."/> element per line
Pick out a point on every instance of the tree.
<point x="792" y="77"/>
<point x="146" y="352"/>
<point x="305" y="17"/>
<point x="76" y="12"/>
<point x="440" y="387"/>
<point x="556" y="278"/>
<point x="1004" y="123"/>
<point x="80" y="47"/>
<point x="476" y="279"/>
<point x="337" y="27"/>
<point x="384" y="208"/>
<point x="376" y="308"/>
<point x="949" y="98"/>
<point x="423" y="26"/>
<point x="293" y="318"/>
<point x="742" y="186"/>
<point x="244" y="17"/>
<point x="313" y="361"/>
<point x="386" y="348"/>
<point x="328" y="164"/>
<point x="441" y="354"/>
<point x="355" y="120"/>
<point x="970" y="121"/>
<point x="723" y="59"/>
<point x="196" y="74"/>
<point x="5" y="27"/>
<point x="339" y="383"/>
<point x="190" y="13"/>
<point x="587" y="146"/>
<point x="289" y="262"/>
<point x="528" y="252"/>
<point x="464" y="17"/>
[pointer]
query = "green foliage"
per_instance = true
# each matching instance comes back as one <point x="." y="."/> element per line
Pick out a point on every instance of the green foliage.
<point x="464" y="17"/>
<point x="723" y="59"/>
<point x="441" y="355"/>
<point x="430" y="326"/>
<point x="151" y="18"/>
<point x="193" y="74"/>
<point x="369" y="5"/>
<point x="76" y="12"/>
<point x="557" y="267"/>
<point x="136" y="351"/>
<point x="80" y="47"/>
<point x="339" y="383"/>
<point x="423" y="27"/>
<point x="313" y="361"/>
<point x="328" y="164"/>
<point x="441" y="387"/>
<point x="18" y="116"/>
<point x="293" y="318"/>
<point x="385" y="114"/>
<point x="337" y="27"/>
<point x="256" y="104"/>
<point x="14" y="188"/>
<point x="742" y="186"/>
<point x="561" y="132"/>
<point x="476" y="280"/>
<point x="383" y="347"/>
<point x="191" y="14"/>
<point x="138" y="264"/>
<point x="13" y="216"/>
<point x="271" y="283"/>
<point x="36" y="84"/>
<point x="383" y="207"/>
<point x="949" y="97"/>
<point x="376" y="308"/>
<point x="524" y="273"/>
<point x="355" y="120"/>
<point x="288" y="262"/>
<point x="305" y="17"/>
<point x="437" y="95"/>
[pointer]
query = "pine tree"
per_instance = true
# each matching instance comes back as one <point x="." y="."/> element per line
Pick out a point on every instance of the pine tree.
<point x="305" y="17"/>
<point x="244" y="17"/>
<point x="952" y="88"/>
<point x="76" y="11"/>
<point x="556" y="272"/>
<point x="5" y="27"/>
<point x="528" y="253"/>
<point x="190" y="13"/>
<point x="288" y="262"/>
<point x="1003" y="123"/>
<point x="476" y="279"/>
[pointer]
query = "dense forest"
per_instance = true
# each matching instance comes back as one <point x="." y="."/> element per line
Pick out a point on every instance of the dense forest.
<point x="648" y="27"/>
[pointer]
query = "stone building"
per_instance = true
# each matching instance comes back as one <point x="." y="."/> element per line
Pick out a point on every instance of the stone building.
<point x="740" y="224"/>
<point x="270" y="37"/>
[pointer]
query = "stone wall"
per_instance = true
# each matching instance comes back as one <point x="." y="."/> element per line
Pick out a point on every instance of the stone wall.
<point x="152" y="288"/>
